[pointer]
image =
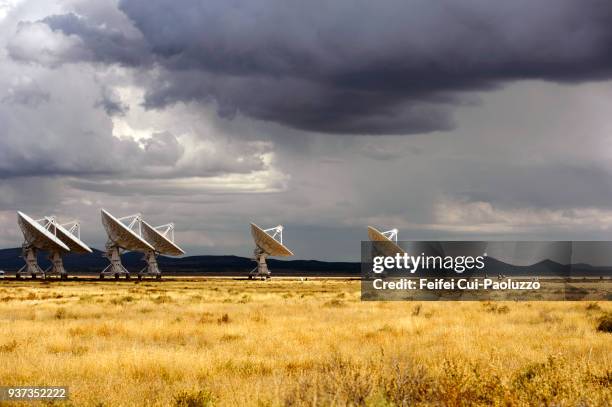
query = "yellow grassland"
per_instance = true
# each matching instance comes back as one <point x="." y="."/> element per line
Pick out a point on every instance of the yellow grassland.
<point x="224" y="342"/>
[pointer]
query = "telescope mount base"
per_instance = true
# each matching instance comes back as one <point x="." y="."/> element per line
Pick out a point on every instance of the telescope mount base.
<point x="31" y="267"/>
<point x="57" y="266"/>
<point x="152" y="268"/>
<point x="261" y="271"/>
<point x="115" y="268"/>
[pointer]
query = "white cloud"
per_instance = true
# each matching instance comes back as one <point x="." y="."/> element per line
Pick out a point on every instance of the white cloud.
<point x="35" y="42"/>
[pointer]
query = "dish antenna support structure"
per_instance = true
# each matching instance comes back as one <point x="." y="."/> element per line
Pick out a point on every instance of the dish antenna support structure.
<point x="162" y="239"/>
<point x="391" y="235"/>
<point x="41" y="235"/>
<point x="124" y="233"/>
<point x="268" y="242"/>
<point x="389" y="247"/>
<point x="70" y="234"/>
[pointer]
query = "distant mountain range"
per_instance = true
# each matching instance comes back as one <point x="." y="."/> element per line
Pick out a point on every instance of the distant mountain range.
<point x="545" y="268"/>
<point x="10" y="261"/>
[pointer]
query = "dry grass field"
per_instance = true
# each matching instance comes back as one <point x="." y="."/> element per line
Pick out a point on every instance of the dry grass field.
<point x="286" y="342"/>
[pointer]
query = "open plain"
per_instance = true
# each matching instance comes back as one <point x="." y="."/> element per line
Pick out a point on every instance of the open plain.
<point x="213" y="341"/>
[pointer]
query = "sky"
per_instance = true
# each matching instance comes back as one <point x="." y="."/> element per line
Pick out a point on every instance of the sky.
<point x="462" y="119"/>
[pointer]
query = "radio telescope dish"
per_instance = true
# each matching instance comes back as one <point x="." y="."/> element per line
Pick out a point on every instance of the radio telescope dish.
<point x="39" y="237"/>
<point x="70" y="233"/>
<point x="268" y="242"/>
<point x="122" y="237"/>
<point x="162" y="239"/>
<point x="389" y="247"/>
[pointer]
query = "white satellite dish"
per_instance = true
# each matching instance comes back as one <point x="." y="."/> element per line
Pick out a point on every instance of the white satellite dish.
<point x="38" y="237"/>
<point x="268" y="242"/>
<point x="390" y="247"/>
<point x="70" y="233"/>
<point x="162" y="239"/>
<point x="122" y="237"/>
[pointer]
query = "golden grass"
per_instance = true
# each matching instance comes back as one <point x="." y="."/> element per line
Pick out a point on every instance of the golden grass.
<point x="284" y="342"/>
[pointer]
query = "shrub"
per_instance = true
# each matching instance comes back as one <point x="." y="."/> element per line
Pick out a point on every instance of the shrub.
<point x="407" y="385"/>
<point x="206" y="318"/>
<point x="335" y="303"/>
<point x="504" y="309"/>
<point x="61" y="313"/>
<point x="593" y="307"/>
<point x="162" y="299"/>
<point x="230" y="338"/>
<point x="605" y="323"/>
<point x="225" y="319"/>
<point x="122" y="300"/>
<point x="495" y="309"/>
<point x="605" y="380"/>
<point x="8" y="347"/>
<point x="200" y="398"/>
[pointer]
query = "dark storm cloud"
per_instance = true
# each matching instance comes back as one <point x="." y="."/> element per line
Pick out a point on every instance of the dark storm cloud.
<point x="110" y="102"/>
<point x="357" y="67"/>
<point x="105" y="44"/>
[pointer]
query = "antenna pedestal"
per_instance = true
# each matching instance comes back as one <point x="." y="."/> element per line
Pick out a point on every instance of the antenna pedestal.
<point x="57" y="266"/>
<point x="115" y="268"/>
<point x="31" y="267"/>
<point x="151" y="269"/>
<point x="261" y="271"/>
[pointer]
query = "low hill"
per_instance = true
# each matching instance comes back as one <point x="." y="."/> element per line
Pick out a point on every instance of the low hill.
<point x="93" y="263"/>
